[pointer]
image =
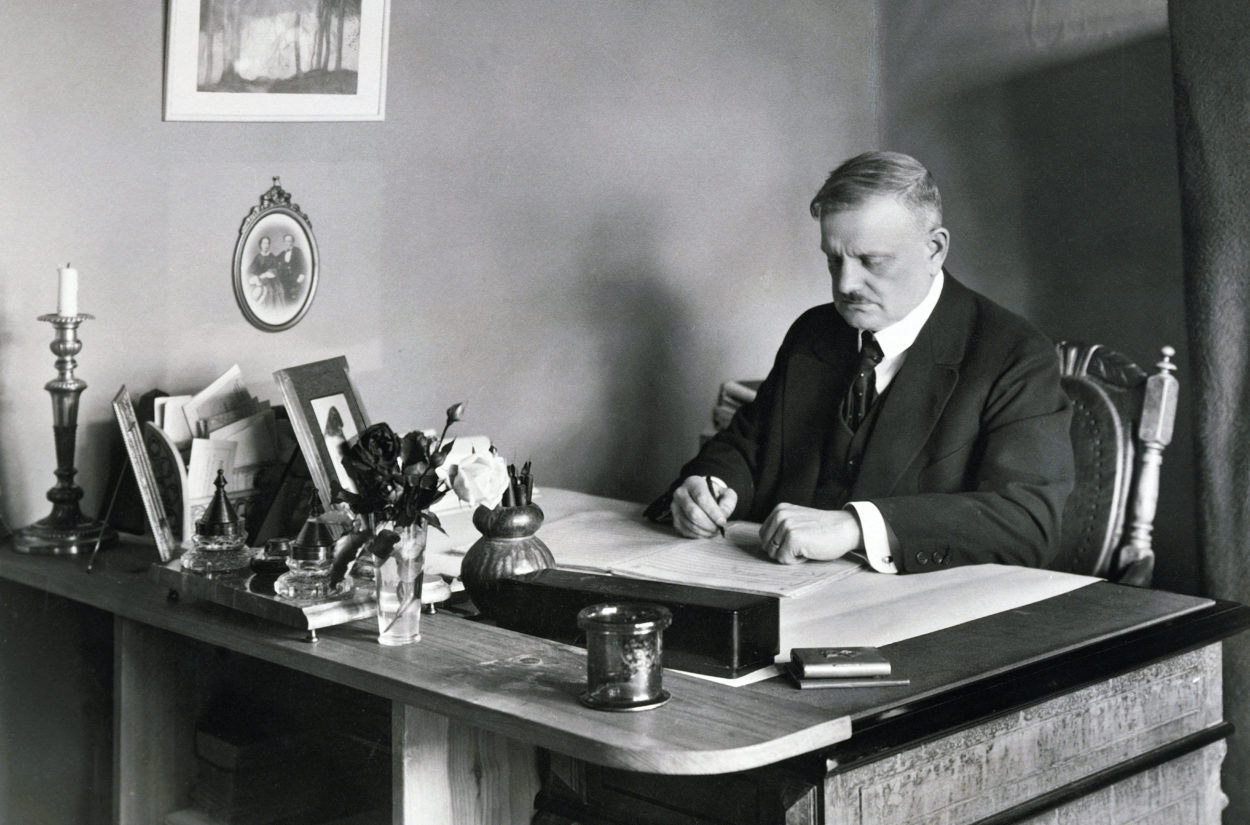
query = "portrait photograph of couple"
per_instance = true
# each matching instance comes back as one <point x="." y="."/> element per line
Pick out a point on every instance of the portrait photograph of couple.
<point x="275" y="271"/>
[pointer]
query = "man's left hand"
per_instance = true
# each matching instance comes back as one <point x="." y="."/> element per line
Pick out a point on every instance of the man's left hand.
<point x="794" y="534"/>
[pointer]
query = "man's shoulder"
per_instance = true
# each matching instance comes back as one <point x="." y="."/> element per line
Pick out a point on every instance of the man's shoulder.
<point x="820" y="319"/>
<point x="989" y="322"/>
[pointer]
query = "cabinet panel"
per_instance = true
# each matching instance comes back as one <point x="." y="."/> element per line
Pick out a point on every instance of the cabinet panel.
<point x="974" y="773"/>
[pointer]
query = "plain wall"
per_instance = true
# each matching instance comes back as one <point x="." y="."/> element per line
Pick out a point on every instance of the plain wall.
<point x="578" y="216"/>
<point x="1050" y="129"/>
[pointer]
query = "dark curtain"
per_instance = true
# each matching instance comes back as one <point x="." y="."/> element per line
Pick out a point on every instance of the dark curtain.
<point x="1211" y="65"/>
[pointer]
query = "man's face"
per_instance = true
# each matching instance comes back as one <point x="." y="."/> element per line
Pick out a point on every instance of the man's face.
<point x="881" y="261"/>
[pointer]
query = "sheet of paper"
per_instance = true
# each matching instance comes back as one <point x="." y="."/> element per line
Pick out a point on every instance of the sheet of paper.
<point x="627" y="545"/>
<point x="174" y="421"/>
<point x="221" y="402"/>
<point x="256" y="436"/>
<point x="597" y="540"/>
<point x="877" y="609"/>
<point x="207" y="457"/>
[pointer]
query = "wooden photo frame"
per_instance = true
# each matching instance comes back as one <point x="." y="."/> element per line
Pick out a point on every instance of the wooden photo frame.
<point x="236" y="60"/>
<point x="325" y="412"/>
<point x="276" y="263"/>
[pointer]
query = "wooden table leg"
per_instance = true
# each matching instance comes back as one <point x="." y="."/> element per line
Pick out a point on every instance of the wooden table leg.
<point x="156" y="694"/>
<point x="447" y="772"/>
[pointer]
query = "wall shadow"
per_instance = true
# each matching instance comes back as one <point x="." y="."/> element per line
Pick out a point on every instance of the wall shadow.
<point x="635" y="335"/>
<point x="1091" y="146"/>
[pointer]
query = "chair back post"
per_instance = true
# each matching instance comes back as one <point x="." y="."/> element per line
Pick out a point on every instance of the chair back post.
<point x="1136" y="554"/>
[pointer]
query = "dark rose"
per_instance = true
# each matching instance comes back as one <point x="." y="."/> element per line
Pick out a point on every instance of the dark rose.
<point x="416" y="449"/>
<point x="379" y="443"/>
<point x="370" y="461"/>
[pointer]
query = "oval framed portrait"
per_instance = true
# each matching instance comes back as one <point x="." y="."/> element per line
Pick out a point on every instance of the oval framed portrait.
<point x="275" y="263"/>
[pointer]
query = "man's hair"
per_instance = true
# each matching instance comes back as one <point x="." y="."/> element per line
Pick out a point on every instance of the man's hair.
<point x="881" y="173"/>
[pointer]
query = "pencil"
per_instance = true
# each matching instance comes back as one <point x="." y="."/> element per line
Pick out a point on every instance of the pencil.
<point x="711" y="488"/>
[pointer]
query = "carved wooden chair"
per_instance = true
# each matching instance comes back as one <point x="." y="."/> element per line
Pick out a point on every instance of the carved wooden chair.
<point x="1121" y="422"/>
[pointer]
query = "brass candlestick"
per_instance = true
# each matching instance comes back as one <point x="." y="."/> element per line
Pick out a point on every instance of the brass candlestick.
<point x="66" y="531"/>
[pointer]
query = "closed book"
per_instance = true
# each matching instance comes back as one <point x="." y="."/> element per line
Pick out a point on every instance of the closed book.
<point x="826" y="662"/>
<point x="804" y="683"/>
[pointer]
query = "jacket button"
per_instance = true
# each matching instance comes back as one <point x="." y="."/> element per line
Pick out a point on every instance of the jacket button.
<point x="939" y="557"/>
<point x="922" y="557"/>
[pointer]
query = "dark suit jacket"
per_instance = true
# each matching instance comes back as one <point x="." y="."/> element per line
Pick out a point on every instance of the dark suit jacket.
<point x="969" y="459"/>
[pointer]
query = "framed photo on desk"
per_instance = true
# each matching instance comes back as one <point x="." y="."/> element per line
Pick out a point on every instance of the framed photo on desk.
<point x="325" y="413"/>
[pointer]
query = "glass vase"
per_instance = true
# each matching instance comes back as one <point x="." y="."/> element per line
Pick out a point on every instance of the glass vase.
<point x="397" y="582"/>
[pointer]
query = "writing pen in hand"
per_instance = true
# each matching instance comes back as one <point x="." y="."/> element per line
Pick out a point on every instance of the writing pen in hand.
<point x="711" y="488"/>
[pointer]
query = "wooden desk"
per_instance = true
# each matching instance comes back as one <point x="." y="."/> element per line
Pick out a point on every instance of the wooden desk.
<point x="1068" y="699"/>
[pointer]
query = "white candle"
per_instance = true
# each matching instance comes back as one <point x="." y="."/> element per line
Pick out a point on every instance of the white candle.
<point x="67" y="291"/>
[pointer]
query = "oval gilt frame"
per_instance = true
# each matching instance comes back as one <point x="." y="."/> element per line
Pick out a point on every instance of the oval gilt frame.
<point x="276" y="263"/>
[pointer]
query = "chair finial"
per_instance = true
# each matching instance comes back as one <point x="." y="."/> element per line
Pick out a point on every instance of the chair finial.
<point x="1166" y="364"/>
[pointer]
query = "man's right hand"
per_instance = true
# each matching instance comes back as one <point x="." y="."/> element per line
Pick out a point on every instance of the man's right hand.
<point x="697" y="513"/>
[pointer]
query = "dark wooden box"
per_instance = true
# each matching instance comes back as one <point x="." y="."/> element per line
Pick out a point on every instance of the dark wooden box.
<point x="714" y="632"/>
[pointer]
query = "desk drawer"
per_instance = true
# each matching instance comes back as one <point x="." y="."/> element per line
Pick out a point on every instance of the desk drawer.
<point x="1054" y="751"/>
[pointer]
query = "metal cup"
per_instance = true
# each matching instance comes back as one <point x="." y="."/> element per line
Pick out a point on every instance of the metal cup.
<point x="624" y="655"/>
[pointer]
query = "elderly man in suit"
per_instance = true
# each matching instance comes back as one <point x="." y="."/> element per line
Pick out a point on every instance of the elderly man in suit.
<point x="911" y="420"/>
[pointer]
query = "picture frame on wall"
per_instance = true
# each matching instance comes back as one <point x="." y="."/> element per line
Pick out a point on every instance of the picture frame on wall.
<point x="325" y="412"/>
<point x="282" y="60"/>
<point x="276" y="262"/>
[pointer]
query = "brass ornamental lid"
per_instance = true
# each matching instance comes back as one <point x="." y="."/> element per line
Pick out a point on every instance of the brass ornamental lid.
<point x="219" y="518"/>
<point x="315" y="542"/>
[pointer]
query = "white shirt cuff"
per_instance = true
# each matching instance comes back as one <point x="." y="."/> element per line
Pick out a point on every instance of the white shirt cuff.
<point x="876" y="537"/>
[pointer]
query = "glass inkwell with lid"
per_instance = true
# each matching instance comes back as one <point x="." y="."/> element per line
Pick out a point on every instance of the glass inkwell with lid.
<point x="308" y="567"/>
<point x="219" y="546"/>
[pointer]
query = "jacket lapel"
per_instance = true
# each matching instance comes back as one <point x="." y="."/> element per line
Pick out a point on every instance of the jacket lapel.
<point x="918" y="394"/>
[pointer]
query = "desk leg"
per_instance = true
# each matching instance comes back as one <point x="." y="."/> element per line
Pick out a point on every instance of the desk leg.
<point x="155" y="694"/>
<point x="447" y="772"/>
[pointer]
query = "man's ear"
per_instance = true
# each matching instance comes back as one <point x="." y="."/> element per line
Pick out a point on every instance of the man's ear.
<point x="939" y="244"/>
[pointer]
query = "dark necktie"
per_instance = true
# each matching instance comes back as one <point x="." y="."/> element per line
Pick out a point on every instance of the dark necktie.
<point x="863" y="389"/>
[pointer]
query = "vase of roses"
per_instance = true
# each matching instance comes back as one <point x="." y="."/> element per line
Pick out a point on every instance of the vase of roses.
<point x="397" y="481"/>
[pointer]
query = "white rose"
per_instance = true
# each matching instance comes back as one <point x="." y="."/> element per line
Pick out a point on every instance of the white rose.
<point x="480" y="479"/>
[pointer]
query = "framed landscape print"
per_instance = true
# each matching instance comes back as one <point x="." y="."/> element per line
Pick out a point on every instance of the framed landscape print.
<point x="276" y="60"/>
<point x="276" y="263"/>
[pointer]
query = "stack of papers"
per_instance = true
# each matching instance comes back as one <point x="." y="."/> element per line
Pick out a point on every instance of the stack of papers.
<point x="222" y="427"/>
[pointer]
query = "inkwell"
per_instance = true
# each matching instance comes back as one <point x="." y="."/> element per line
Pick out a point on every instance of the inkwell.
<point x="308" y="567"/>
<point x="219" y="545"/>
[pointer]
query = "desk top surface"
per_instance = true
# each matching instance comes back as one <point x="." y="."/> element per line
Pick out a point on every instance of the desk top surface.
<point x="527" y="688"/>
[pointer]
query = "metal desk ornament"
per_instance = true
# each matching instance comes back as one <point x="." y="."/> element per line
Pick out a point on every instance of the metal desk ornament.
<point x="66" y="531"/>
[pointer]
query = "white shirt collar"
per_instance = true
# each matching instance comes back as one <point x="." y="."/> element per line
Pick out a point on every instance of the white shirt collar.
<point x="899" y="336"/>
